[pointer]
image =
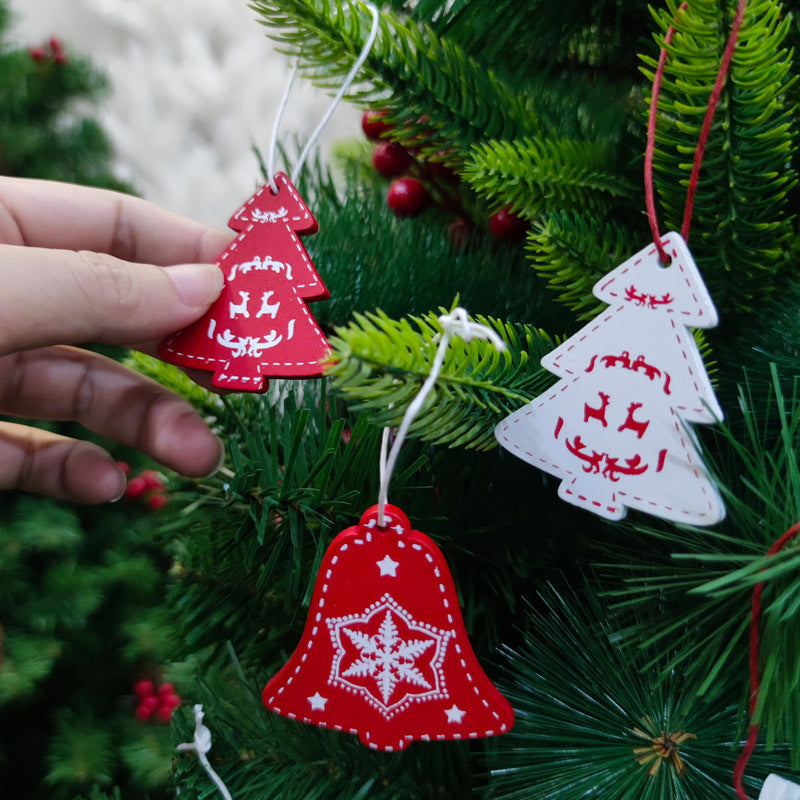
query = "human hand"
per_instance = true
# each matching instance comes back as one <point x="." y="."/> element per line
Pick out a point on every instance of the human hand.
<point x="80" y="265"/>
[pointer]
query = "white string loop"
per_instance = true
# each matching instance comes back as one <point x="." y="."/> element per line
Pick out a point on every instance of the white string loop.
<point x="365" y="51"/>
<point x="457" y="323"/>
<point x="201" y="745"/>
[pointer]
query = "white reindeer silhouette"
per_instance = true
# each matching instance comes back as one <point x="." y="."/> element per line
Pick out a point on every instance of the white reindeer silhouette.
<point x="267" y="308"/>
<point x="240" y="307"/>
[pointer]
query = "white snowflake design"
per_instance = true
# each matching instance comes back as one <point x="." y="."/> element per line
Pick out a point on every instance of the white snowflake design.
<point x="387" y="657"/>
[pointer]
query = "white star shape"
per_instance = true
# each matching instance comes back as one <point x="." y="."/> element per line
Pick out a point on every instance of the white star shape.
<point x="388" y="566"/>
<point x="317" y="702"/>
<point x="454" y="714"/>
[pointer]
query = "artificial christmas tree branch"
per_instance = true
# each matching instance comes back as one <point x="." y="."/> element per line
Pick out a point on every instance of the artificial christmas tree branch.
<point x="381" y="363"/>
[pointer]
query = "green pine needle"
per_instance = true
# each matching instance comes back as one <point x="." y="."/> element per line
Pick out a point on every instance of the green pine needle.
<point x="594" y="720"/>
<point x="741" y="222"/>
<point x="380" y="364"/>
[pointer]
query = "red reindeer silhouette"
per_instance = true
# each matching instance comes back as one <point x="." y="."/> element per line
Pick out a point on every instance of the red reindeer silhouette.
<point x="598" y="413"/>
<point x="632" y="424"/>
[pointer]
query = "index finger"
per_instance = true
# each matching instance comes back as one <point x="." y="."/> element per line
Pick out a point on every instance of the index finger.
<point x="68" y="217"/>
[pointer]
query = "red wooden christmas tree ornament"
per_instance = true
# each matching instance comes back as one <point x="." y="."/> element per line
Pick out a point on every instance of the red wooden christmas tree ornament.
<point x="260" y="326"/>
<point x="384" y="653"/>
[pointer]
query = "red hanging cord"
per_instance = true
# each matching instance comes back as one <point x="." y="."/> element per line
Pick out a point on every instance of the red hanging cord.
<point x="755" y="678"/>
<point x="713" y="101"/>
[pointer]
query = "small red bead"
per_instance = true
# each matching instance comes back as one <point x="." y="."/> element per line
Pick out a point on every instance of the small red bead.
<point x="390" y="159"/>
<point x="136" y="488"/>
<point x="406" y="197"/>
<point x="144" y="688"/>
<point x="506" y="225"/>
<point x="156" y="501"/>
<point x="373" y="125"/>
<point x="146" y="708"/>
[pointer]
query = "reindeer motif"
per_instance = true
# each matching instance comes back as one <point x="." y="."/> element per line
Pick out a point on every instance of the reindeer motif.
<point x="664" y="300"/>
<point x="640" y="298"/>
<point x="267" y="308"/>
<point x="577" y="447"/>
<point x="598" y="413"/>
<point x="240" y="307"/>
<point x="635" y="425"/>
<point x="623" y="360"/>
<point x="269" y="216"/>
<point x="633" y="466"/>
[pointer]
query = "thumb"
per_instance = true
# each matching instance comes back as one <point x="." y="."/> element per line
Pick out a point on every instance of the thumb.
<point x="67" y="297"/>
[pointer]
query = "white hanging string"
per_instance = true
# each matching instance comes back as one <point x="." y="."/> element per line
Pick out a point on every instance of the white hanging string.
<point x="373" y="34"/>
<point x="201" y="745"/>
<point x="457" y="323"/>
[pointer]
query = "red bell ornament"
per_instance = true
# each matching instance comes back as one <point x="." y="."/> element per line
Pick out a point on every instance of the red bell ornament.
<point x="384" y="653"/>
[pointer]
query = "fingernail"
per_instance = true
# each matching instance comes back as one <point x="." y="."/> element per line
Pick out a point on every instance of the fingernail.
<point x="123" y="485"/>
<point x="197" y="284"/>
<point x="221" y="462"/>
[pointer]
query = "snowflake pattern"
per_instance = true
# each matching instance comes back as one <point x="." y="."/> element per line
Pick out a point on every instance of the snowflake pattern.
<point x="387" y="657"/>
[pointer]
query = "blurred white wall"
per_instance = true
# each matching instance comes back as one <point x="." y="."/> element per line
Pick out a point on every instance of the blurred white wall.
<point x="193" y="84"/>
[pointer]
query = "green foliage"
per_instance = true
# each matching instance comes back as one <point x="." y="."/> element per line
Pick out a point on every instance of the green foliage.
<point x="705" y="578"/>
<point x="75" y="589"/>
<point x="589" y="714"/>
<point x="267" y="756"/>
<point x="380" y="364"/>
<point x="366" y="270"/>
<point x="743" y="226"/>
<point x="41" y="135"/>
<point x="536" y="176"/>
<point x="572" y="251"/>
<point x="429" y="83"/>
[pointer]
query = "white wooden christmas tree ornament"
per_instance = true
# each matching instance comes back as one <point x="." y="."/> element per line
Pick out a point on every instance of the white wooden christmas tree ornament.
<point x="615" y="426"/>
<point x="777" y="788"/>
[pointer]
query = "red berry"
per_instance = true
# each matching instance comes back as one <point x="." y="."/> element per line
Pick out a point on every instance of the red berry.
<point x="57" y="49"/>
<point x="144" y="688"/>
<point x="164" y="714"/>
<point x="37" y="54"/>
<point x="373" y="125"/>
<point x="165" y="689"/>
<point x="151" y="479"/>
<point x="146" y="708"/>
<point x="124" y="466"/>
<point x="406" y="197"/>
<point x="136" y="488"/>
<point x="156" y="501"/>
<point x="460" y="232"/>
<point x="506" y="225"/>
<point x="390" y="159"/>
<point x="170" y="701"/>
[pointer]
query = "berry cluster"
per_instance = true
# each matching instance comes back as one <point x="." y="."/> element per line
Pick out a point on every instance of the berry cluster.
<point x="408" y="195"/>
<point x="155" y="704"/>
<point x="147" y="487"/>
<point x="52" y="51"/>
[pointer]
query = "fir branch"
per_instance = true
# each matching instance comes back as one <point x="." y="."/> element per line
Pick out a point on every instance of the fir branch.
<point x="706" y="578"/>
<point x="742" y="221"/>
<point x="380" y="364"/>
<point x="440" y="98"/>
<point x="596" y="719"/>
<point x="572" y="251"/>
<point x="540" y="175"/>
